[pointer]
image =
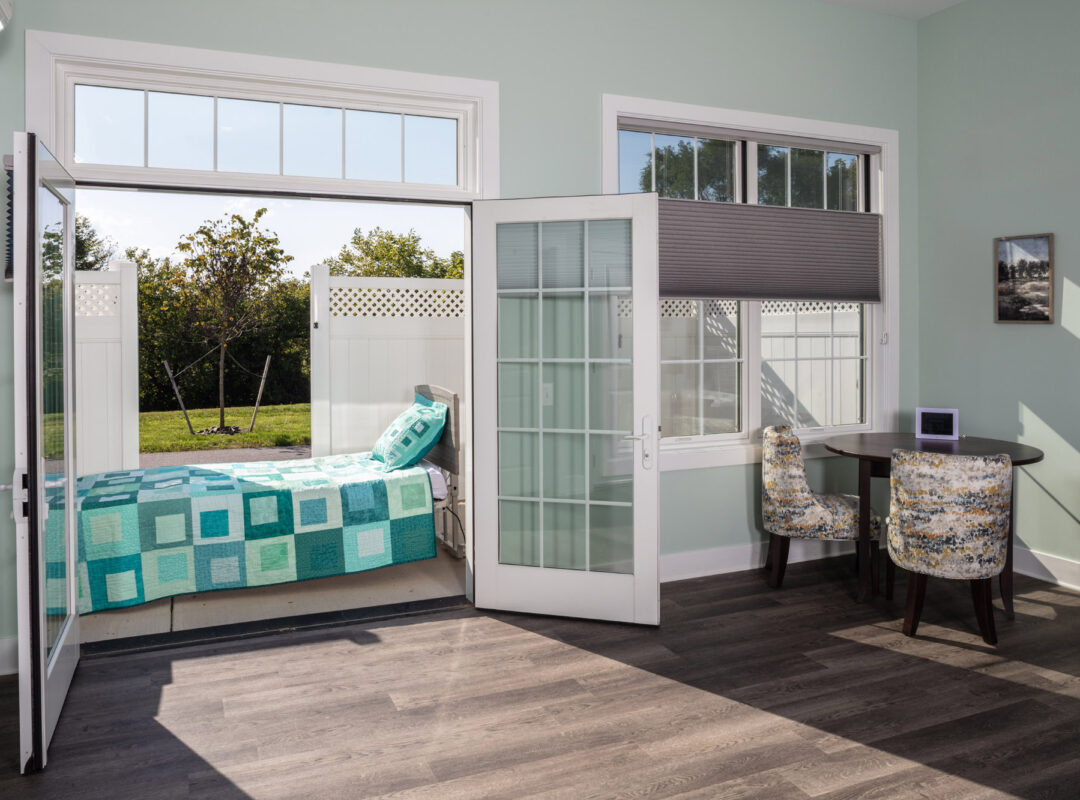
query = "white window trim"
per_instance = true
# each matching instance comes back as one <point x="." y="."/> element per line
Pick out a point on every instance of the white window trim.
<point x="883" y="368"/>
<point x="55" y="62"/>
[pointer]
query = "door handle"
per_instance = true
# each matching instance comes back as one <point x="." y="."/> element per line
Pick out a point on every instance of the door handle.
<point x="645" y="437"/>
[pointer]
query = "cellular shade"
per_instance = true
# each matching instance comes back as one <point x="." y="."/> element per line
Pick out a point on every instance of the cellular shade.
<point x="753" y="252"/>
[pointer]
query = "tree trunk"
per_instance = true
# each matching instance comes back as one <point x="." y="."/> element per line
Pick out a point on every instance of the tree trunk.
<point x="221" y="387"/>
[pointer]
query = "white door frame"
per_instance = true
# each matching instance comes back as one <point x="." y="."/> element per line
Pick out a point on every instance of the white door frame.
<point x="43" y="682"/>
<point x="564" y="592"/>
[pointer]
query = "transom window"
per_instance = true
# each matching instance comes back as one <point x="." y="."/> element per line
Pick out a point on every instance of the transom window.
<point x="801" y="178"/>
<point x="142" y="128"/>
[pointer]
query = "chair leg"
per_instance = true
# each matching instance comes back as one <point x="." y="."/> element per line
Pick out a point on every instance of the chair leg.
<point x="916" y="592"/>
<point x="890" y="576"/>
<point x="875" y="569"/>
<point x="982" y="595"/>
<point x="778" y="555"/>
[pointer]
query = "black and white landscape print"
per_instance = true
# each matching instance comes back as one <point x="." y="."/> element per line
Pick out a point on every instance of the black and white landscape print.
<point x="1025" y="278"/>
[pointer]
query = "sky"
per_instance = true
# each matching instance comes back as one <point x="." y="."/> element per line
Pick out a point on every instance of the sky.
<point x="309" y="230"/>
<point x="1035" y="248"/>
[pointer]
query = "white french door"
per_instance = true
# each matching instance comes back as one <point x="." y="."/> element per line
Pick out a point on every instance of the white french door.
<point x="44" y="485"/>
<point x="566" y="396"/>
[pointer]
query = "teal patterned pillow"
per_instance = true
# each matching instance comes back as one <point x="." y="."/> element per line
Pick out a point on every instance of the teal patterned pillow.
<point x="411" y="435"/>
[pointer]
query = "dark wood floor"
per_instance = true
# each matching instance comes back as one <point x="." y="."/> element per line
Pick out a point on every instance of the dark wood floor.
<point x="743" y="692"/>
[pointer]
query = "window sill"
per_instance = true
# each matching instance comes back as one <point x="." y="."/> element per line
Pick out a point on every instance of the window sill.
<point x="729" y="454"/>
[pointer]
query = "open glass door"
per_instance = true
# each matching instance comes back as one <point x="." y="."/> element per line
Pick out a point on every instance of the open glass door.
<point x="565" y="378"/>
<point x="44" y="487"/>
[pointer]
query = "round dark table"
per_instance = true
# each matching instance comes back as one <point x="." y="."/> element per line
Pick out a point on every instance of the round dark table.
<point x="874" y="452"/>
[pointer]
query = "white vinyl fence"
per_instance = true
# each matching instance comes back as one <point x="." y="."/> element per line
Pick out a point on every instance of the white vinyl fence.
<point x="107" y="368"/>
<point x="372" y="341"/>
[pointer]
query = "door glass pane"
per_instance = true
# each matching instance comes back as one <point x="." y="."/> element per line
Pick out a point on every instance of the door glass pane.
<point x="609" y="253"/>
<point x="611" y="538"/>
<point x="518" y="325"/>
<point x="564" y="466"/>
<point x="716" y="170"/>
<point x="518" y="459"/>
<point x="248" y="136"/>
<point x="807" y="178"/>
<point x="842" y="182"/>
<point x="675" y="166"/>
<point x="564" y="535"/>
<point x="109" y="126"/>
<point x="772" y="175"/>
<point x="578" y="384"/>
<point x="564" y="326"/>
<point x="372" y="146"/>
<point x="517" y="253"/>
<point x="51" y="218"/>
<point x="181" y="131"/>
<point x="563" y="394"/>
<point x="312" y="141"/>
<point x="519" y="533"/>
<point x="635" y="162"/>
<point x="564" y="255"/>
<point x="611" y="325"/>
<point x="517" y="396"/>
<point x="611" y="397"/>
<point x="431" y="150"/>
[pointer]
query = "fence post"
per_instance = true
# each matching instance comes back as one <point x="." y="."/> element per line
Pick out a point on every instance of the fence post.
<point x="129" y="358"/>
<point x="320" y="360"/>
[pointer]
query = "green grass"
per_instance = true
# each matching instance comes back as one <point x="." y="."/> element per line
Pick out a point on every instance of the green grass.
<point x="276" y="426"/>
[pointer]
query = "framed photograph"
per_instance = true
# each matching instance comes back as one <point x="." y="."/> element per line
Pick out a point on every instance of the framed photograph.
<point x="937" y="423"/>
<point x="1024" y="266"/>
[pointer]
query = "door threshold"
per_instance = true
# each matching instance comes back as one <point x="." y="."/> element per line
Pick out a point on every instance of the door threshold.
<point x="266" y="627"/>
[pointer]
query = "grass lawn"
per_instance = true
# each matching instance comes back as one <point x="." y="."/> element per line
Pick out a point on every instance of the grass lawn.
<point x="276" y="426"/>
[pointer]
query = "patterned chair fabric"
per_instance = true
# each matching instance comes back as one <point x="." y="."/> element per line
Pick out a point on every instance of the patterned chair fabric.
<point x="949" y="515"/>
<point x="789" y="508"/>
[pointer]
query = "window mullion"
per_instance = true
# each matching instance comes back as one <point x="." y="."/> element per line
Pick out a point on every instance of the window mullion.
<point x="701" y="367"/>
<point x="752" y="367"/>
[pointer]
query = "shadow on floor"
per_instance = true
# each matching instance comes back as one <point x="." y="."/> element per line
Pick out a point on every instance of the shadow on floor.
<point x="1004" y="718"/>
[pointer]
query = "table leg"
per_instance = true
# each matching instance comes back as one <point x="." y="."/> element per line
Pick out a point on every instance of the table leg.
<point x="1006" y="579"/>
<point x="865" y="566"/>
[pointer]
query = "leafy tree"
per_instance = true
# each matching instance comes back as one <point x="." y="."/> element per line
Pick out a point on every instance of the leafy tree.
<point x="92" y="251"/>
<point x="232" y="267"/>
<point x="385" y="254"/>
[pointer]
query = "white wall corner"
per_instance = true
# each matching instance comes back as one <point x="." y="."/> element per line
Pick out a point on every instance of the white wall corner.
<point x="736" y="558"/>
<point x="9" y="655"/>
<point x="1053" y="569"/>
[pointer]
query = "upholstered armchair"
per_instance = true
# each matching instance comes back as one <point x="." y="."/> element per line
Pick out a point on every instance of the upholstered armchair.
<point x="789" y="510"/>
<point x="949" y="518"/>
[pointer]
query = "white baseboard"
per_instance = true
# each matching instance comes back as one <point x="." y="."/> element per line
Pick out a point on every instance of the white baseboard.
<point x="735" y="558"/>
<point x="1054" y="569"/>
<point x="9" y="655"/>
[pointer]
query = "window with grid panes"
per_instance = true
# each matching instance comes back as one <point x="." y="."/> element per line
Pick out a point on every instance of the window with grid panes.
<point x="812" y="364"/>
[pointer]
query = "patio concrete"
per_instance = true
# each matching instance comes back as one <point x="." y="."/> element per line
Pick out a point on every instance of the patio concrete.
<point x="231" y="455"/>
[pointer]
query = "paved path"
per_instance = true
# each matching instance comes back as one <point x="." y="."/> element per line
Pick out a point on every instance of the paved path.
<point x="232" y="455"/>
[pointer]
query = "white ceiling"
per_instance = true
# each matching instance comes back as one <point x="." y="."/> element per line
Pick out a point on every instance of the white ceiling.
<point x="912" y="9"/>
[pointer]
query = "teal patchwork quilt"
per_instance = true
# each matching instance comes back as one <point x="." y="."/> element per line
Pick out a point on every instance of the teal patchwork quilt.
<point x="153" y="533"/>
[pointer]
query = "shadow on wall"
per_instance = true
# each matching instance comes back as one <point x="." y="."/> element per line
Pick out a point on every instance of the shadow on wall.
<point x="1048" y="493"/>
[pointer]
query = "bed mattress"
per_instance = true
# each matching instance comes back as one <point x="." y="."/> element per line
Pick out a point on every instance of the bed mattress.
<point x="147" y="534"/>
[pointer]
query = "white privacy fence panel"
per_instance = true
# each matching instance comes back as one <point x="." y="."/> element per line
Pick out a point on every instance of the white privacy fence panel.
<point x="372" y="341"/>
<point x="107" y="368"/>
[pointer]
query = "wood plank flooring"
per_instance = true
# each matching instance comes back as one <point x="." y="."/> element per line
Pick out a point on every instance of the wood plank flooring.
<point x="742" y="692"/>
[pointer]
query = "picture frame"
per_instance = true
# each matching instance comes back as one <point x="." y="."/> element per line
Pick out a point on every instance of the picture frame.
<point x="937" y="423"/>
<point x="1024" y="279"/>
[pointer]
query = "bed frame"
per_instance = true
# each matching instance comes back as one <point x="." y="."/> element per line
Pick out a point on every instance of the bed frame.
<point x="446" y="455"/>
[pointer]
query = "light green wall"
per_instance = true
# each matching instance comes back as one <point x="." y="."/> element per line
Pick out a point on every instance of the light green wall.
<point x="999" y="111"/>
<point x="553" y="59"/>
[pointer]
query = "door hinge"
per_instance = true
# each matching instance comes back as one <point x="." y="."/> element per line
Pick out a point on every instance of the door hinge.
<point x="884" y="337"/>
<point x="20" y="495"/>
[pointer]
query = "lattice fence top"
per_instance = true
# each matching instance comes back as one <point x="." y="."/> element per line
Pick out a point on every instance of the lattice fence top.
<point x="97" y="300"/>
<point x="384" y="302"/>
<point x="779" y="308"/>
